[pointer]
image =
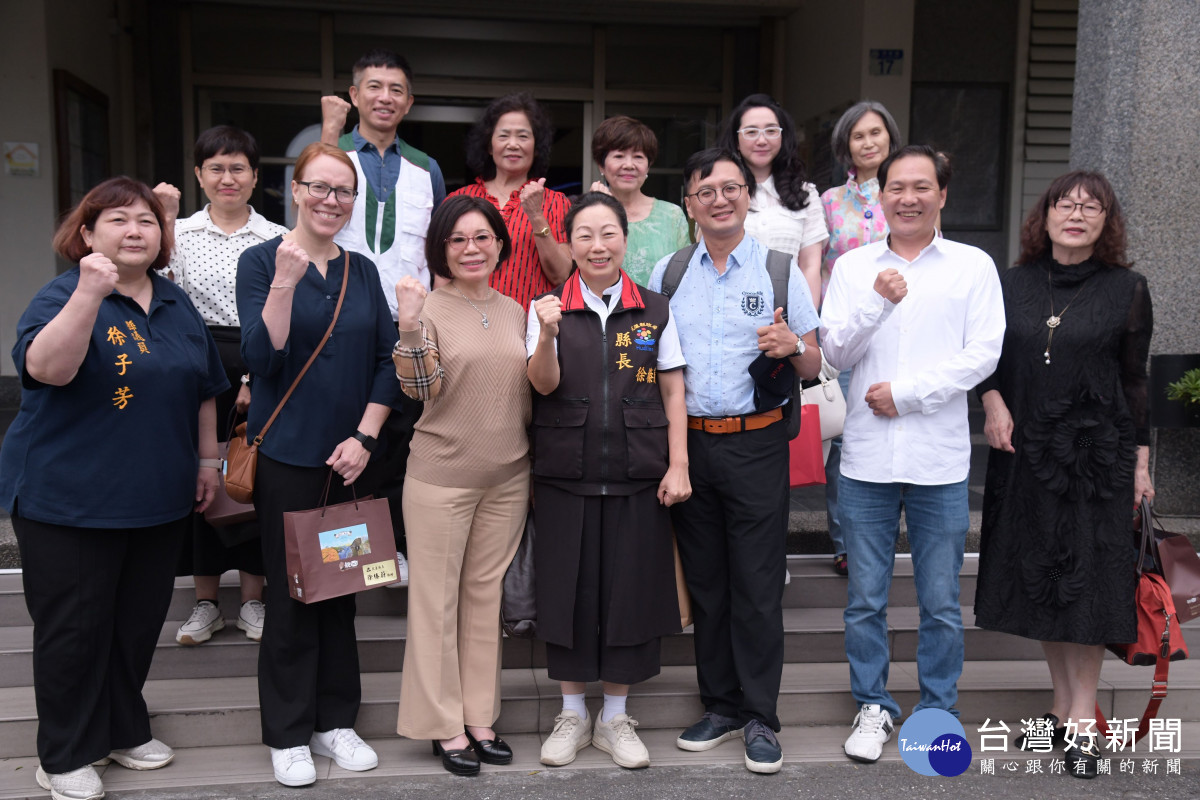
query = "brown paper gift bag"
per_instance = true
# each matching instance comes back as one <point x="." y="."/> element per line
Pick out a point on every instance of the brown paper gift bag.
<point x="337" y="550"/>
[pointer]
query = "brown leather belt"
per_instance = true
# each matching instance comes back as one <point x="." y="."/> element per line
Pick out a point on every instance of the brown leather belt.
<point x="746" y="422"/>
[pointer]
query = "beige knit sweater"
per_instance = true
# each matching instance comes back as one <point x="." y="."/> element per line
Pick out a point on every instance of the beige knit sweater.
<point x="473" y="431"/>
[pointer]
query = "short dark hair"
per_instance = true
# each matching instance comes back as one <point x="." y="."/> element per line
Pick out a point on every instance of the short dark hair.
<point x="941" y="163"/>
<point x="701" y="166"/>
<point x="479" y="140"/>
<point x="225" y="140"/>
<point x="623" y="133"/>
<point x="597" y="199"/>
<point x="112" y="193"/>
<point x="787" y="169"/>
<point x="441" y="225"/>
<point x="841" y="130"/>
<point x="381" y="58"/>
<point x="1109" y="248"/>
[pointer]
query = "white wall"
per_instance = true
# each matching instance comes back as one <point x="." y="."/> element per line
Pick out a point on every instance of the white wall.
<point x="888" y="25"/>
<point x="26" y="204"/>
<point x="38" y="36"/>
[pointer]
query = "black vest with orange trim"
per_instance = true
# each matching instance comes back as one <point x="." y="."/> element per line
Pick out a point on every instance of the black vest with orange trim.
<point x="604" y="429"/>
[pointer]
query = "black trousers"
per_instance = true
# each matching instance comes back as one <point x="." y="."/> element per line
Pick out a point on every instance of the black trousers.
<point x="308" y="661"/>
<point x="732" y="537"/>
<point x="98" y="598"/>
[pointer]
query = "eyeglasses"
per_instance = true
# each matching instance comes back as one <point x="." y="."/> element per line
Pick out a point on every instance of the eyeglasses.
<point x="481" y="240"/>
<point x="772" y="133"/>
<point x="344" y="194"/>
<point x="217" y="170"/>
<point x="708" y="195"/>
<point x="1066" y="206"/>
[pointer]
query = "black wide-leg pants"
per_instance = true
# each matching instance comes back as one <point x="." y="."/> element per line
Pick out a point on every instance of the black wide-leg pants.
<point x="98" y="598"/>
<point x="308" y="677"/>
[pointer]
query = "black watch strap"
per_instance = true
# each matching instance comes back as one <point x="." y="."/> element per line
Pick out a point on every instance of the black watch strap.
<point x="368" y="442"/>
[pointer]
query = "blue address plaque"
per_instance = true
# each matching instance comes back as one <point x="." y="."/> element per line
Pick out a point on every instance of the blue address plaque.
<point x="886" y="62"/>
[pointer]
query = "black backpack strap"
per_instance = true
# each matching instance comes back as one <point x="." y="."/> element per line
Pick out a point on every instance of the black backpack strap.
<point x="779" y="267"/>
<point x="675" y="269"/>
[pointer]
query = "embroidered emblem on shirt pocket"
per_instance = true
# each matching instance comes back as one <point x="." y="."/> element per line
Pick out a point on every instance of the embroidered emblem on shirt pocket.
<point x="753" y="303"/>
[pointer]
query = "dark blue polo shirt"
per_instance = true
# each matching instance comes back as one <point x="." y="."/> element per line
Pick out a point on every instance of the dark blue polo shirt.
<point x="115" y="447"/>
<point x="354" y="368"/>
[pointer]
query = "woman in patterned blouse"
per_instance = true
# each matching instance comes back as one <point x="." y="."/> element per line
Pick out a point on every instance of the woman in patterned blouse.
<point x="864" y="136"/>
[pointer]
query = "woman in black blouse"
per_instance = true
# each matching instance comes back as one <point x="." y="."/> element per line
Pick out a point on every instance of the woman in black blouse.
<point x="287" y="290"/>
<point x="1067" y="421"/>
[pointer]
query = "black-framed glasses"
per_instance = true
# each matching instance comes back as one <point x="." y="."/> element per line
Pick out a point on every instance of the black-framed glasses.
<point x="1066" y="206"/>
<point x="481" y="240"/>
<point x="344" y="194"/>
<point x="708" y="195"/>
<point x="771" y="132"/>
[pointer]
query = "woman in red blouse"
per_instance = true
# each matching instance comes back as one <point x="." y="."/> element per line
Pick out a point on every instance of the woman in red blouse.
<point x="509" y="151"/>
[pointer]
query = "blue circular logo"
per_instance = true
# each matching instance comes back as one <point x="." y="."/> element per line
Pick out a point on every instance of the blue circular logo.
<point x="933" y="742"/>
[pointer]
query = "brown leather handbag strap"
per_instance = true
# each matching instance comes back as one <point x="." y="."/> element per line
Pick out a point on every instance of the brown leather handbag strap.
<point x="329" y="332"/>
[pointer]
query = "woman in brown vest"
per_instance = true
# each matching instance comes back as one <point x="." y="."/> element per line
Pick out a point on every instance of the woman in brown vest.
<point x="610" y="454"/>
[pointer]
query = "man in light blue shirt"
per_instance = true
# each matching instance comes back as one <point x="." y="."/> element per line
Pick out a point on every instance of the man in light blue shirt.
<point x="732" y="533"/>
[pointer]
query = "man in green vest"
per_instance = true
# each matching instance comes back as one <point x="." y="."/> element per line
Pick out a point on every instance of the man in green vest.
<point x="398" y="188"/>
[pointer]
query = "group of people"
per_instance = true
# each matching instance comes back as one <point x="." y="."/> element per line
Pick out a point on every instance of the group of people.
<point x="471" y="352"/>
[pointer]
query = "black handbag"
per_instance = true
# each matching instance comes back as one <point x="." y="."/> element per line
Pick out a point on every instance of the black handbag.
<point x="518" y="606"/>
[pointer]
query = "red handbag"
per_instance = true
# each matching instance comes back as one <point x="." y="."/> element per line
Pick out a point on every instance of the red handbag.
<point x="1159" y="637"/>
<point x="806" y="462"/>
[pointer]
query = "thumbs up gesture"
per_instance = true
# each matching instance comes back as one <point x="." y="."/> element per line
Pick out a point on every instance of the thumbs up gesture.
<point x="776" y="339"/>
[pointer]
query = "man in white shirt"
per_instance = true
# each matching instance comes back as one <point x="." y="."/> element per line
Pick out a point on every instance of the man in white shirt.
<point x="920" y="319"/>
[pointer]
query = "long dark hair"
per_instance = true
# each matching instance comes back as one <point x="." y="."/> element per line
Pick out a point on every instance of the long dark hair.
<point x="1109" y="248"/>
<point x="787" y="169"/>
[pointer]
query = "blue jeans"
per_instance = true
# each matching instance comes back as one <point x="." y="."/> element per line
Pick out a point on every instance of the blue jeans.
<point x="937" y="528"/>
<point x="833" y="469"/>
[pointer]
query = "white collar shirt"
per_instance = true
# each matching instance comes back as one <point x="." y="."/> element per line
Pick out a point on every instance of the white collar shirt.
<point x="205" y="261"/>
<point x="939" y="342"/>
<point x="778" y="227"/>
<point x="670" y="355"/>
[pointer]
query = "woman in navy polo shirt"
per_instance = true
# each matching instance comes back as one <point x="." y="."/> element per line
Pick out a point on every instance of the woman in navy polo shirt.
<point x="287" y="290"/>
<point x="114" y="444"/>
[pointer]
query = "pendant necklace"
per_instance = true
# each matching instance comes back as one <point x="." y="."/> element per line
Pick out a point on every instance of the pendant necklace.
<point x="483" y="314"/>
<point x="1054" y="320"/>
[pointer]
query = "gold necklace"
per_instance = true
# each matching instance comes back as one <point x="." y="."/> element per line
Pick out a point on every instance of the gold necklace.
<point x="1054" y="320"/>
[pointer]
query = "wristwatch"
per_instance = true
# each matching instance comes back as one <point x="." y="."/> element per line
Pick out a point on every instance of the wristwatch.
<point x="368" y="442"/>
<point x="543" y="232"/>
<point x="800" y="346"/>
<point x="246" y="379"/>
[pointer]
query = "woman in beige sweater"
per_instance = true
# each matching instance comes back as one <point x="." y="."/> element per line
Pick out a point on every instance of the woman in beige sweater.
<point x="466" y="491"/>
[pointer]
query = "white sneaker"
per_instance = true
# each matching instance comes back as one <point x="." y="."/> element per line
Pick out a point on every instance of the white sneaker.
<point x="872" y="728"/>
<point x="205" y="620"/>
<point x="570" y="735"/>
<point x="151" y="755"/>
<point x="346" y="748"/>
<point x="618" y="738"/>
<point x="293" y="766"/>
<point x="78" y="784"/>
<point x="401" y="572"/>
<point x="251" y="619"/>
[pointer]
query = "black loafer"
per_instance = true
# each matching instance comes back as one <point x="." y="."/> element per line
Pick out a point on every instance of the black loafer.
<point x="457" y="762"/>
<point x="491" y="751"/>
<point x="1082" y="757"/>
<point x="1058" y="735"/>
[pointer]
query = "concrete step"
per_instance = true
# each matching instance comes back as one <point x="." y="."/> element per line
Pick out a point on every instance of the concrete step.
<point x="244" y="770"/>
<point x="210" y="712"/>
<point x="814" y="584"/>
<point x="811" y="635"/>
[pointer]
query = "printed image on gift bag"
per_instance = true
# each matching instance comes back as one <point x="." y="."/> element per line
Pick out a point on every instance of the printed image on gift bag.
<point x="338" y="550"/>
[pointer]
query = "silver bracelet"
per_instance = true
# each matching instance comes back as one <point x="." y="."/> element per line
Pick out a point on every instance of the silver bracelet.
<point x="282" y="286"/>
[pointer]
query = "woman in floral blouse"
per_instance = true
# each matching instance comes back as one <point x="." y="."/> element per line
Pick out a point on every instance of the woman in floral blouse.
<point x="864" y="136"/>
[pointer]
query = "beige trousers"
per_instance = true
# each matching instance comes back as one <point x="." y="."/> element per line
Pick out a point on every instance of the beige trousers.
<point x="460" y="543"/>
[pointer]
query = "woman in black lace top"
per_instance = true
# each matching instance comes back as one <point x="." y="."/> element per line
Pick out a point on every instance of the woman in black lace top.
<point x="1067" y="421"/>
